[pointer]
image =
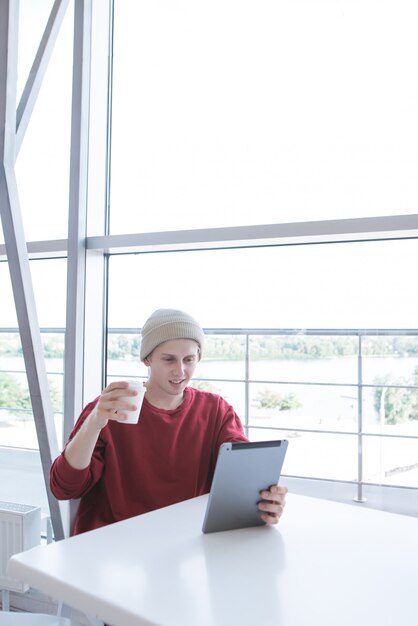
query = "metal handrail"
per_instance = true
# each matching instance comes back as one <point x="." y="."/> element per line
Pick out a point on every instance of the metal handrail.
<point x="360" y="385"/>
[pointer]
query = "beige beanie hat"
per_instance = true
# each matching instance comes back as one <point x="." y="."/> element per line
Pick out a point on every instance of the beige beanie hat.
<point x="166" y="324"/>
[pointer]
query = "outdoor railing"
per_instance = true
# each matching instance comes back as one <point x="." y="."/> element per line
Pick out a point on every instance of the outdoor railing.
<point x="323" y="388"/>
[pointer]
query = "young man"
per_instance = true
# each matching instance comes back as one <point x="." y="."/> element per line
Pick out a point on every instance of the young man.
<point x="121" y="470"/>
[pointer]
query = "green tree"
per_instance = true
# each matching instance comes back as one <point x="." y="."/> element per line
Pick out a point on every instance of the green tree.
<point x="12" y="395"/>
<point x="290" y="401"/>
<point x="269" y="399"/>
<point x="135" y="347"/>
<point x="16" y="398"/>
<point x="10" y="345"/>
<point x="204" y="385"/>
<point x="396" y="404"/>
<point x="54" y="347"/>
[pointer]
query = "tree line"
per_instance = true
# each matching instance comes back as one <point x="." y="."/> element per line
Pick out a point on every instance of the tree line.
<point x="232" y="347"/>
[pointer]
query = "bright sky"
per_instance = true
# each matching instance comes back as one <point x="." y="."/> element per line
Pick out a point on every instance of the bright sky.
<point x="263" y="111"/>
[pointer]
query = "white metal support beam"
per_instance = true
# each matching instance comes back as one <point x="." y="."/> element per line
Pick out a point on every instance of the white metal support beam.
<point x="76" y="268"/>
<point x="77" y="220"/>
<point x="286" y="234"/>
<point x="17" y="256"/>
<point x="95" y="320"/>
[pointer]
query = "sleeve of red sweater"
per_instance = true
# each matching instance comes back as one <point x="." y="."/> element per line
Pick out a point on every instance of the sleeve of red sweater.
<point x="231" y="429"/>
<point x="67" y="482"/>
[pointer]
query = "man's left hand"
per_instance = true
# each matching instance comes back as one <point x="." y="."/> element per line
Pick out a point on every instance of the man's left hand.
<point x="272" y="503"/>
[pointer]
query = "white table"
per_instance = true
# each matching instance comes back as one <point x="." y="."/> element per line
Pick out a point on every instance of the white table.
<point x="325" y="564"/>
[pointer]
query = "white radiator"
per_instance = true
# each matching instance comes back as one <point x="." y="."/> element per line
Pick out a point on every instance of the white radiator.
<point x="20" y="529"/>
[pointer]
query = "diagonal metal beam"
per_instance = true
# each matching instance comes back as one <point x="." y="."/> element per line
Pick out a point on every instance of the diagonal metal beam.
<point x="17" y="256"/>
<point x="37" y="71"/>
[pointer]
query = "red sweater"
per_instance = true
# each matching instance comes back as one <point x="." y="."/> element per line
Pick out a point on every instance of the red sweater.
<point x="169" y="456"/>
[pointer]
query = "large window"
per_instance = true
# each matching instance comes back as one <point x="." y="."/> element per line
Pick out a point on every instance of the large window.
<point x="232" y="113"/>
<point x="49" y="286"/>
<point x="241" y="112"/>
<point x="19" y="447"/>
<point x="342" y="394"/>
<point x="42" y="166"/>
<point x="350" y="285"/>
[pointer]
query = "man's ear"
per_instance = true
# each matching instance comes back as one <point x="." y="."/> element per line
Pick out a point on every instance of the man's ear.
<point x="147" y="362"/>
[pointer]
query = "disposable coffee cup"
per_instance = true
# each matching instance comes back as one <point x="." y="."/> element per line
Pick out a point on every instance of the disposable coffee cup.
<point x="133" y="416"/>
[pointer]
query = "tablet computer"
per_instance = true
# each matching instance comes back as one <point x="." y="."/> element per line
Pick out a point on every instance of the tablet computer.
<point x="242" y="470"/>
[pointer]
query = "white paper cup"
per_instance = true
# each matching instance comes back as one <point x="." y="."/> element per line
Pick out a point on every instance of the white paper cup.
<point x="133" y="416"/>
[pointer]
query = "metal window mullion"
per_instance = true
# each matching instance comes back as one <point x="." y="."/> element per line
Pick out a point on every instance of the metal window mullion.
<point x="17" y="256"/>
<point x="95" y="311"/>
<point x="247" y="383"/>
<point x="77" y="219"/>
<point x="359" y="497"/>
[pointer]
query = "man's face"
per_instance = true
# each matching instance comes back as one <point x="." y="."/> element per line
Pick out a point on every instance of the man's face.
<point x="172" y="365"/>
